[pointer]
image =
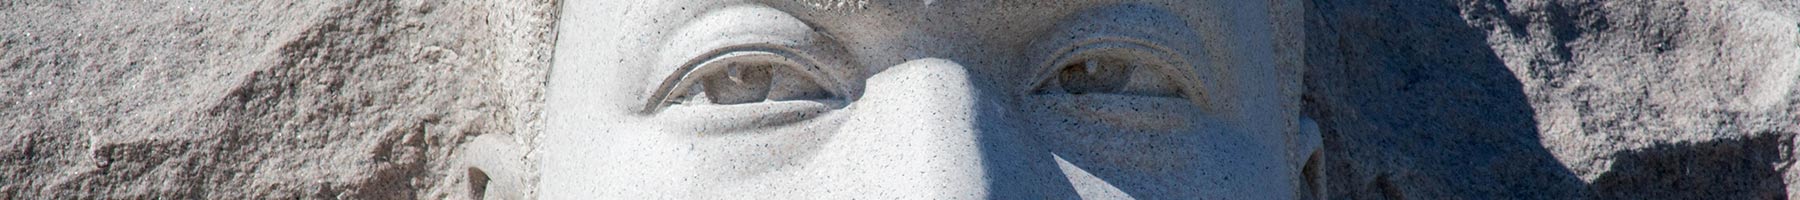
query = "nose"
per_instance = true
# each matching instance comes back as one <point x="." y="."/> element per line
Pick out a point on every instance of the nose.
<point x="924" y="129"/>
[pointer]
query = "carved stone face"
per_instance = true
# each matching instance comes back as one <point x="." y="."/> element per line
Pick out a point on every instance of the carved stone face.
<point x="930" y="99"/>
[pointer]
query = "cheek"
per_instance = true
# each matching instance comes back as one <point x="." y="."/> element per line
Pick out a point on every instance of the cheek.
<point x="1203" y="147"/>
<point x="765" y="160"/>
<point x="1201" y="156"/>
<point x="1245" y="160"/>
<point x="627" y="159"/>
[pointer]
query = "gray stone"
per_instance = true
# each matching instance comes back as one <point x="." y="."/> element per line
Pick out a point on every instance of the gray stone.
<point x="399" y="99"/>
<point x="1554" y="99"/>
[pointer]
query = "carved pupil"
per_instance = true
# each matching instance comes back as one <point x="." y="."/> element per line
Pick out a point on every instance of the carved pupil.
<point x="739" y="84"/>
<point x="1105" y="75"/>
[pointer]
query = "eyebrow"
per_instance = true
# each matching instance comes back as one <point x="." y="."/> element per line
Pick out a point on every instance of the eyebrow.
<point x="830" y="5"/>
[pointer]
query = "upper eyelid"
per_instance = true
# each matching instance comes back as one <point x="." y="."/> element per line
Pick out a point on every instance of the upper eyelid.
<point x="1062" y="55"/>
<point x="683" y="74"/>
<point x="720" y="31"/>
<point x="1185" y="76"/>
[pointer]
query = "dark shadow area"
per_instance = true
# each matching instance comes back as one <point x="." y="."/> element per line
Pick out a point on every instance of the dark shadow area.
<point x="1415" y="104"/>
<point x="477" y="183"/>
<point x="1739" y="168"/>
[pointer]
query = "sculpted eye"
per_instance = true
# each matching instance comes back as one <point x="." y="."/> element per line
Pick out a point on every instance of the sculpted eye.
<point x="1122" y="69"/>
<point x="1099" y="75"/>
<point x="743" y="77"/>
<point x="741" y="83"/>
<point x="1110" y="85"/>
<point x="745" y="90"/>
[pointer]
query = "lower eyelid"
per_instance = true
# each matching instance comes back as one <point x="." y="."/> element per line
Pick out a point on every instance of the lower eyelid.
<point x="1124" y="111"/>
<point x="727" y="118"/>
<point x="1147" y="81"/>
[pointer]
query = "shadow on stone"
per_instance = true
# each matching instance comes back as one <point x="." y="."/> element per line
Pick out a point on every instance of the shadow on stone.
<point x="1741" y="168"/>
<point x="1414" y="103"/>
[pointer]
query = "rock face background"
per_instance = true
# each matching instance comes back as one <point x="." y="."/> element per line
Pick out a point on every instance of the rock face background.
<point x="1418" y="99"/>
<point x="260" y="99"/>
<point x="1557" y="99"/>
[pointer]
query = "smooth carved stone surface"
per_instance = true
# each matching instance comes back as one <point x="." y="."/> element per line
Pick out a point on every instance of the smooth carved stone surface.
<point x="419" y="99"/>
<point x="927" y="99"/>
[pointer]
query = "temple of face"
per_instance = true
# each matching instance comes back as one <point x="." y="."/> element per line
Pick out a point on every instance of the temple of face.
<point x="926" y="99"/>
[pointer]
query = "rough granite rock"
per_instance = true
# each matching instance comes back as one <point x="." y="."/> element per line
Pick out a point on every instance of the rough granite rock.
<point x="1556" y="99"/>
<point x="1534" y="99"/>
<point x="260" y="99"/>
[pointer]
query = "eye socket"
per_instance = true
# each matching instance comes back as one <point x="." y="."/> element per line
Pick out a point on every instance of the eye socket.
<point x="741" y="83"/>
<point x="753" y="82"/>
<point x="1112" y="68"/>
<point x="744" y="77"/>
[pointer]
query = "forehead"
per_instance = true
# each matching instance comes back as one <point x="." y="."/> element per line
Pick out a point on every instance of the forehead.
<point x="594" y="35"/>
<point x="986" y="15"/>
<point x="638" y="25"/>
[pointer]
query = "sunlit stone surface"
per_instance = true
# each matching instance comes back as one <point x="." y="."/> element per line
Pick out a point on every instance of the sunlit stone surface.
<point x="927" y="99"/>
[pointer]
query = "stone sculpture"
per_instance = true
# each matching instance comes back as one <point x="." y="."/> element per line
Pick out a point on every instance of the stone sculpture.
<point x="924" y="99"/>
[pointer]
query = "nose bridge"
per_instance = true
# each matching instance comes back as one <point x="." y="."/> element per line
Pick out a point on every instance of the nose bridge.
<point x="914" y="130"/>
<point x="929" y="80"/>
<point x="923" y="129"/>
<point x="926" y="96"/>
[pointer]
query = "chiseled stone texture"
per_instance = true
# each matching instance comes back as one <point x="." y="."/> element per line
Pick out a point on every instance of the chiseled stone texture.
<point x="1625" y="99"/>
<point x="260" y="99"/>
<point x="1556" y="99"/>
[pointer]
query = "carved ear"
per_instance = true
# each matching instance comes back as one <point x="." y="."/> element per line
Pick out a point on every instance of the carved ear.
<point x="496" y="167"/>
<point x="1311" y="144"/>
